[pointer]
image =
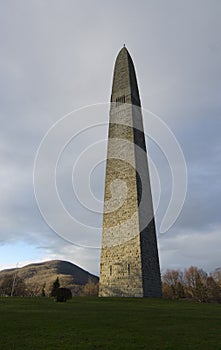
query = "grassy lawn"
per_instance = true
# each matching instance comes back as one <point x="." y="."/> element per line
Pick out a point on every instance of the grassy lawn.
<point x="94" y="323"/>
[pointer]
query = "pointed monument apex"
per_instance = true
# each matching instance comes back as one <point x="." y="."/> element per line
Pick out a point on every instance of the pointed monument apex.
<point x="124" y="81"/>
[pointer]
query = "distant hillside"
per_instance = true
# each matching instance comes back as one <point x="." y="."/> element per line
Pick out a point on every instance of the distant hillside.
<point x="37" y="275"/>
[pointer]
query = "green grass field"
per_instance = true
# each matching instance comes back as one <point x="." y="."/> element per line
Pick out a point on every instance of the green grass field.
<point x="94" y="323"/>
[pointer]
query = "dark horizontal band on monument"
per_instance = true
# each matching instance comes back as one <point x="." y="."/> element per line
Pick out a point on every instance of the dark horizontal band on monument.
<point x="125" y="99"/>
<point x="121" y="131"/>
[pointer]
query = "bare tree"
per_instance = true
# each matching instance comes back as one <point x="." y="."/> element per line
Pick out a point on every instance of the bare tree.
<point x="195" y="281"/>
<point x="13" y="287"/>
<point x="216" y="274"/>
<point x="90" y="289"/>
<point x="173" y="284"/>
<point x="213" y="290"/>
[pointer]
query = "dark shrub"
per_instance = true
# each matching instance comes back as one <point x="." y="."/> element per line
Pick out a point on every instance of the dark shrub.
<point x="63" y="294"/>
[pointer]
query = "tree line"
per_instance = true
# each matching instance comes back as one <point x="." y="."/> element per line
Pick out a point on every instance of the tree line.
<point x="192" y="283"/>
<point x="15" y="286"/>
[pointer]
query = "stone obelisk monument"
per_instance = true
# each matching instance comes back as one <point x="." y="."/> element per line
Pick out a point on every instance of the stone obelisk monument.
<point x="129" y="257"/>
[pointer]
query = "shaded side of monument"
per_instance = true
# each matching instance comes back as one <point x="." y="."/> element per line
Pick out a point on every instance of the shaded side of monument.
<point x="129" y="264"/>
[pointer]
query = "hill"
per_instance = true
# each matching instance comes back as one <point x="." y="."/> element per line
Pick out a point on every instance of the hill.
<point x="42" y="274"/>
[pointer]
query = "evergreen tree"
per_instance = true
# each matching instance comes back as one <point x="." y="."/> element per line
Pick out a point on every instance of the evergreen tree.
<point x="55" y="287"/>
<point x="43" y="291"/>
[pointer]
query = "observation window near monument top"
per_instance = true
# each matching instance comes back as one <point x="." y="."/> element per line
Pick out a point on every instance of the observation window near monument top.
<point x="120" y="100"/>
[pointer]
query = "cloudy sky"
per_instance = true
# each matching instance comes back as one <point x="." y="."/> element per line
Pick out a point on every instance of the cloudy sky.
<point x="58" y="56"/>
